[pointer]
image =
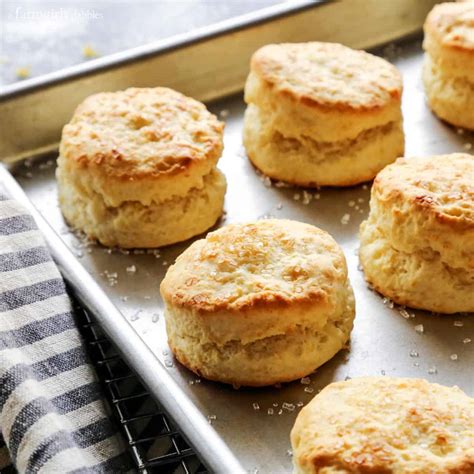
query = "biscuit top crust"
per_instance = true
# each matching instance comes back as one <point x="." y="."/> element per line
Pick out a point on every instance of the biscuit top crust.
<point x="452" y="25"/>
<point x="328" y="75"/>
<point x="441" y="186"/>
<point x="271" y="262"/>
<point x="138" y="133"/>
<point x="386" y="425"/>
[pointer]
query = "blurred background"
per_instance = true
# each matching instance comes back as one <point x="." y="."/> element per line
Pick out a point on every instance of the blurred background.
<point x="38" y="36"/>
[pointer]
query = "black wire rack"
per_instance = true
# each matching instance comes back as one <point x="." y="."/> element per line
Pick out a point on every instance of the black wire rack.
<point x="155" y="445"/>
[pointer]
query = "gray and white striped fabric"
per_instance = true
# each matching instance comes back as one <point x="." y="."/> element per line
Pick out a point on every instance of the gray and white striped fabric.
<point x="52" y="418"/>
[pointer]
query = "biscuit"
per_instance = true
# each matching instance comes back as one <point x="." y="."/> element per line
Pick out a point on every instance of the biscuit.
<point x="316" y="109"/>
<point x="417" y="245"/>
<point x="137" y="168"/>
<point x="448" y="71"/>
<point x="259" y="303"/>
<point x="385" y="425"/>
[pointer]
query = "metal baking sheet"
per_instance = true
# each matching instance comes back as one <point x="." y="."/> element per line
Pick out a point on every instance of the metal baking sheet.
<point x="206" y="63"/>
<point x="386" y="340"/>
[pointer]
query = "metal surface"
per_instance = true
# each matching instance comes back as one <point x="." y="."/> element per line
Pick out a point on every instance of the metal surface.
<point x="206" y="64"/>
<point x="47" y="35"/>
<point x="255" y="423"/>
<point x="156" y="446"/>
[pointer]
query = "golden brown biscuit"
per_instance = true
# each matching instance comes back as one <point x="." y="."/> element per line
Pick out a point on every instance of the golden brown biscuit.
<point x="129" y="157"/>
<point x="448" y="72"/>
<point x="260" y="303"/>
<point x="314" y="109"/>
<point x="417" y="246"/>
<point x="385" y="425"/>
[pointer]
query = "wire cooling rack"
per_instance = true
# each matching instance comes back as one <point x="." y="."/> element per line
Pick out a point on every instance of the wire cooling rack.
<point x="155" y="445"/>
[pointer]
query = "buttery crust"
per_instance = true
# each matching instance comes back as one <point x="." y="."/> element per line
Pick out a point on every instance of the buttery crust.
<point x="259" y="303"/>
<point x="137" y="144"/>
<point x="417" y="246"/>
<point x="385" y="425"/>
<point x="271" y="263"/>
<point x="328" y="75"/>
<point x="137" y="168"/>
<point x="439" y="187"/>
<point x="449" y="38"/>
<point x="322" y="114"/>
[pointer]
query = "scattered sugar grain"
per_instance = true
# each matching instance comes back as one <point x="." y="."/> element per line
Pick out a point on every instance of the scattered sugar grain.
<point x="387" y="301"/>
<point x="307" y="197"/>
<point x="345" y="219"/>
<point x="211" y="418"/>
<point x="404" y="313"/>
<point x="453" y="357"/>
<point x="466" y="340"/>
<point x="419" y="328"/>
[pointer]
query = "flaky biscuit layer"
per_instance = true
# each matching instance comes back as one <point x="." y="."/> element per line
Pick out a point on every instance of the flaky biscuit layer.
<point x="258" y="303"/>
<point x="382" y="424"/>
<point x="417" y="245"/>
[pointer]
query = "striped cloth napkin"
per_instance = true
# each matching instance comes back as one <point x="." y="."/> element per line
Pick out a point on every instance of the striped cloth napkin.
<point x="52" y="418"/>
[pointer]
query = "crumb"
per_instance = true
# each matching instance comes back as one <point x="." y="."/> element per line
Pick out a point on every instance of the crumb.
<point x="419" y="328"/>
<point x="89" y="52"/>
<point x="23" y="72"/>
<point x="345" y="219"/>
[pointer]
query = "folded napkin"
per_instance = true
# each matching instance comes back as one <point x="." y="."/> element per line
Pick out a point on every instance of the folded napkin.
<point x="52" y="417"/>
